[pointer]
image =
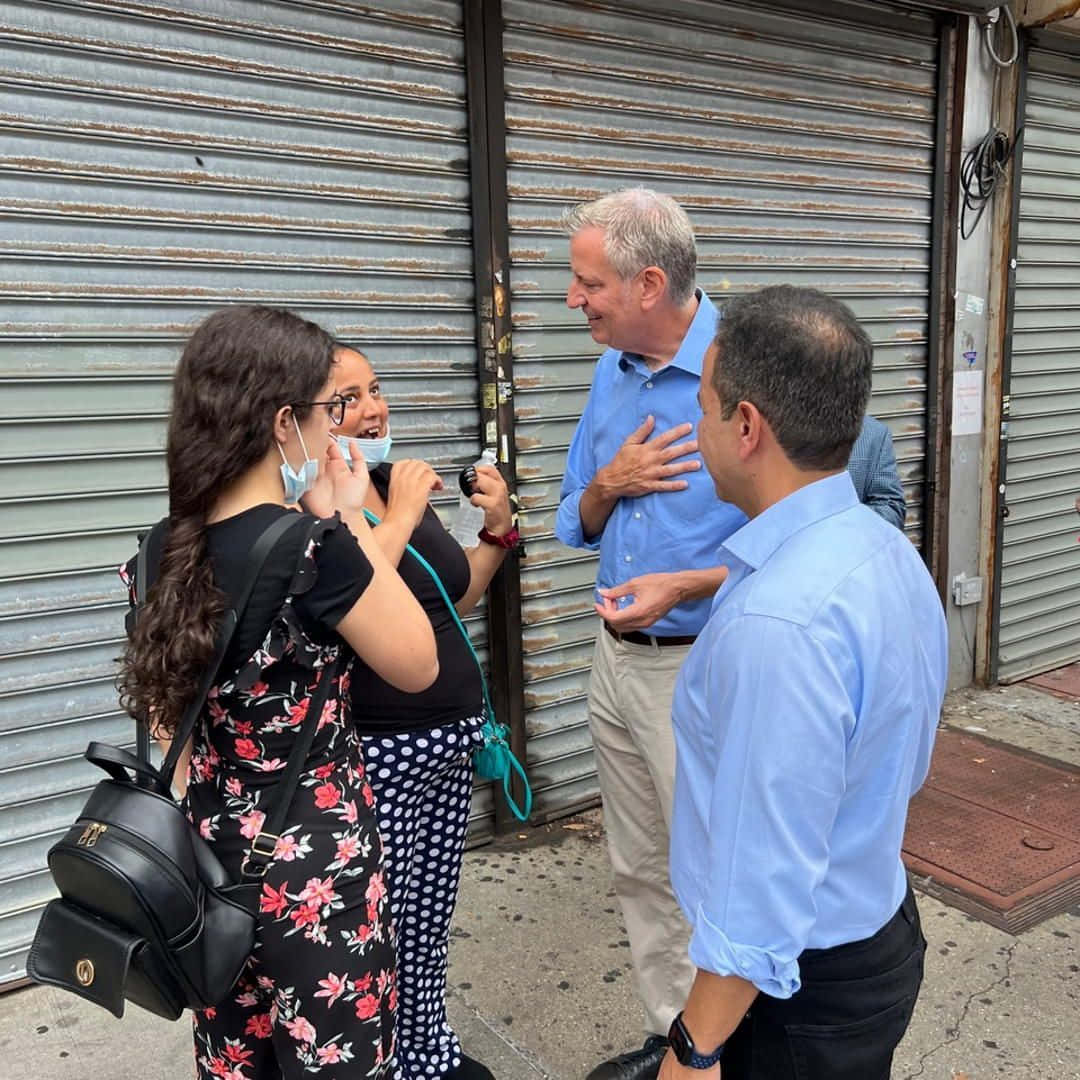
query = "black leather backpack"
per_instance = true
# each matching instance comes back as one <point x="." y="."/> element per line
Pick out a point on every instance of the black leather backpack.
<point x="146" y="911"/>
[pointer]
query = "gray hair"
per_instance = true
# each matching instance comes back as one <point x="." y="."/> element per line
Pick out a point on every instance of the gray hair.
<point x="642" y="228"/>
<point x="803" y="359"/>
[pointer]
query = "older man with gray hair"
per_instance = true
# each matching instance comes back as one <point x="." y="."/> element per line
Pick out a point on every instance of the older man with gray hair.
<point x="635" y="491"/>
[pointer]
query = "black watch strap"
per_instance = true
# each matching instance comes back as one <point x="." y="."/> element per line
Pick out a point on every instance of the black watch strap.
<point x="686" y="1052"/>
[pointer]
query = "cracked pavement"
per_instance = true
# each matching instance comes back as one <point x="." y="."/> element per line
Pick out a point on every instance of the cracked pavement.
<point x="540" y="968"/>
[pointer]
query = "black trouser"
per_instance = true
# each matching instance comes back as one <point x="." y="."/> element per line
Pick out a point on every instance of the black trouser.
<point x="848" y="1015"/>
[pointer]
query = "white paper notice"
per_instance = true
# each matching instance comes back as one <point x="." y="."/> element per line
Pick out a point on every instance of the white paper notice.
<point x="967" y="402"/>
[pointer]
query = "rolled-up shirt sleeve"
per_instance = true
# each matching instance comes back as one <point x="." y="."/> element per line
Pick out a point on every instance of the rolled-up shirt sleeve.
<point x="784" y="717"/>
<point x="581" y="467"/>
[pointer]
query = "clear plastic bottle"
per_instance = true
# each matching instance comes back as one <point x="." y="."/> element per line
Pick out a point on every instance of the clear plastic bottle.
<point x="470" y="519"/>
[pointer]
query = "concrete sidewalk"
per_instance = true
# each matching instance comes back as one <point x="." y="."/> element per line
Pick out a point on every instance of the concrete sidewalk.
<point x="540" y="970"/>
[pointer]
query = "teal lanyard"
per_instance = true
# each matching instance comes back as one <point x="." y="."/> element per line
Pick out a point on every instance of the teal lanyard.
<point x="492" y="729"/>
<point x="373" y="520"/>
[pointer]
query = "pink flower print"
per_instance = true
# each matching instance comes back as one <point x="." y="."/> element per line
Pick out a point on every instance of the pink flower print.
<point x="298" y="711"/>
<point x="251" y="824"/>
<point x="329" y="714"/>
<point x="247" y="999"/>
<point x="273" y="901"/>
<point x="264" y="981"/>
<point x="363" y="934"/>
<point x="301" y="1030"/>
<point x="272" y="765"/>
<point x="318" y="893"/>
<point x="304" y="916"/>
<point x="246" y="749"/>
<point x="233" y="788"/>
<point x="367" y="1006"/>
<point x="348" y="847"/>
<point x="333" y="986"/>
<point x="206" y="829"/>
<point x="286" y="848"/>
<point x="391" y="998"/>
<point x="351" y="814"/>
<point x="218" y="1067"/>
<point x="244" y="727"/>
<point x="259" y="689"/>
<point x="363" y="984"/>
<point x="323" y="771"/>
<point x="237" y="1054"/>
<point x="330" y="1054"/>
<point x="326" y="796"/>
<point x="376" y="890"/>
<point x="259" y="1026"/>
<point x="368" y="795"/>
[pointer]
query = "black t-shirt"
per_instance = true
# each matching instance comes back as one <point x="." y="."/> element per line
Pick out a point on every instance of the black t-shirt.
<point x="380" y="709"/>
<point x="343" y="574"/>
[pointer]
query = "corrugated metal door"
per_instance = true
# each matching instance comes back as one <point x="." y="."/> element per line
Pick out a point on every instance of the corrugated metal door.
<point x="156" y="162"/>
<point x="801" y="145"/>
<point x="1039" y="594"/>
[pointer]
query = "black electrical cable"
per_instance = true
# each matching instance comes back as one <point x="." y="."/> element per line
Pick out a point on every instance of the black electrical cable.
<point x="983" y="168"/>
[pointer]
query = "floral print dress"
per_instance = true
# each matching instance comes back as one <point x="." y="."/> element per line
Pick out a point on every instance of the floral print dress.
<point x="318" y="995"/>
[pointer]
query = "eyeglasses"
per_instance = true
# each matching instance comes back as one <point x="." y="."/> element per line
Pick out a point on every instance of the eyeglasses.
<point x="335" y="407"/>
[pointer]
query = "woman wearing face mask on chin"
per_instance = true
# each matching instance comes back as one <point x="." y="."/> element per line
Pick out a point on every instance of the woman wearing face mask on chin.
<point x="418" y="747"/>
<point x="254" y="397"/>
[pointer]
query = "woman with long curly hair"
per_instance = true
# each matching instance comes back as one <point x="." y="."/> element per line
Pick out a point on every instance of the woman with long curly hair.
<point x="254" y="398"/>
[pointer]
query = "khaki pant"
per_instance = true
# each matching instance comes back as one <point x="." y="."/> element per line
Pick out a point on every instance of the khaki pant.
<point x="630" y="693"/>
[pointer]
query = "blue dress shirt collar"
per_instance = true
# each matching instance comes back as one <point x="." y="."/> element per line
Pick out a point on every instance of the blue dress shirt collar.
<point x="759" y="539"/>
<point x="699" y="336"/>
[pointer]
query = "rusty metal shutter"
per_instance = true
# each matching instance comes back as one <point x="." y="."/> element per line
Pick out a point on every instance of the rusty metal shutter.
<point x="156" y="162"/>
<point x="1039" y="594"/>
<point x="802" y="146"/>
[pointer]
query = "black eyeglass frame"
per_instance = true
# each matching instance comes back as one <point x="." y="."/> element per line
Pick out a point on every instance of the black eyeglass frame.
<point x="336" y="407"/>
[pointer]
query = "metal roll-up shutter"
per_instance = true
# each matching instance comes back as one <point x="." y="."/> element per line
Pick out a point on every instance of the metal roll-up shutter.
<point x="158" y="161"/>
<point x="802" y="147"/>
<point x="1039" y="594"/>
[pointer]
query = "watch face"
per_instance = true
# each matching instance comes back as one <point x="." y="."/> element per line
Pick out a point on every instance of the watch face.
<point x="680" y="1042"/>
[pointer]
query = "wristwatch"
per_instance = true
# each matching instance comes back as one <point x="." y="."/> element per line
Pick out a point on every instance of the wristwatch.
<point x="685" y="1051"/>
<point x="509" y="540"/>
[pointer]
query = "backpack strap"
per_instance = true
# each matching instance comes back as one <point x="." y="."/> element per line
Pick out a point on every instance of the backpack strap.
<point x="260" y="551"/>
<point x="265" y="843"/>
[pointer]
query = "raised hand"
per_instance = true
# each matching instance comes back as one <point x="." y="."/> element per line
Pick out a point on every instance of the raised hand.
<point x="411" y="483"/>
<point x="644" y="465"/>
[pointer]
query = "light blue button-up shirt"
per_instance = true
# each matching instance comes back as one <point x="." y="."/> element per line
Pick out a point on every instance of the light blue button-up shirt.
<point x="666" y="530"/>
<point x="804" y="720"/>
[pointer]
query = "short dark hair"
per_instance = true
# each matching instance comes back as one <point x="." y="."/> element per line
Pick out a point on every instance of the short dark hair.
<point x="803" y="359"/>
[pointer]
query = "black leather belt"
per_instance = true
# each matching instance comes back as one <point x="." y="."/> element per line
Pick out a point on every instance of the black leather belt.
<point x="636" y="637"/>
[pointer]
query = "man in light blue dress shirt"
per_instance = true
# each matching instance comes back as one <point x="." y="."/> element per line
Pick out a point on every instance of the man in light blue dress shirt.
<point x="804" y="721"/>
<point x="634" y="489"/>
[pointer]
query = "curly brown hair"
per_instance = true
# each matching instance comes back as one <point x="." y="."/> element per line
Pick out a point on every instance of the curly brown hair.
<point x="238" y="368"/>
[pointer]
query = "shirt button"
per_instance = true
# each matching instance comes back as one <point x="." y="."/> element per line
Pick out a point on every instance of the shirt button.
<point x="637" y="516"/>
<point x="628" y="558"/>
<point x="648" y="386"/>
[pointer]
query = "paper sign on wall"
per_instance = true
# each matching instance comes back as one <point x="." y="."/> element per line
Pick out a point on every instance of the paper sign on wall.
<point x="967" y="410"/>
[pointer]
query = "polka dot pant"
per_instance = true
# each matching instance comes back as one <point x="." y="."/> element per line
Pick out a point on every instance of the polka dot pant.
<point x="423" y="787"/>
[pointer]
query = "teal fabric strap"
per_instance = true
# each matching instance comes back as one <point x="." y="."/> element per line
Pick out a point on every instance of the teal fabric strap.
<point x="492" y="729"/>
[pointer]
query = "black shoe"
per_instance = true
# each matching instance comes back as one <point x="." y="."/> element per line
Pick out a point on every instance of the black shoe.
<point x="643" y="1064"/>
<point x="469" y="1069"/>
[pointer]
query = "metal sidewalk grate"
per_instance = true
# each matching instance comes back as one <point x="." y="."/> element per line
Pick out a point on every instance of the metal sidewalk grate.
<point x="996" y="832"/>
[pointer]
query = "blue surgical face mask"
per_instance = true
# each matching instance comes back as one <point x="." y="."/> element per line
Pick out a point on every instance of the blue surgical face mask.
<point x="373" y="451"/>
<point x="298" y="484"/>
